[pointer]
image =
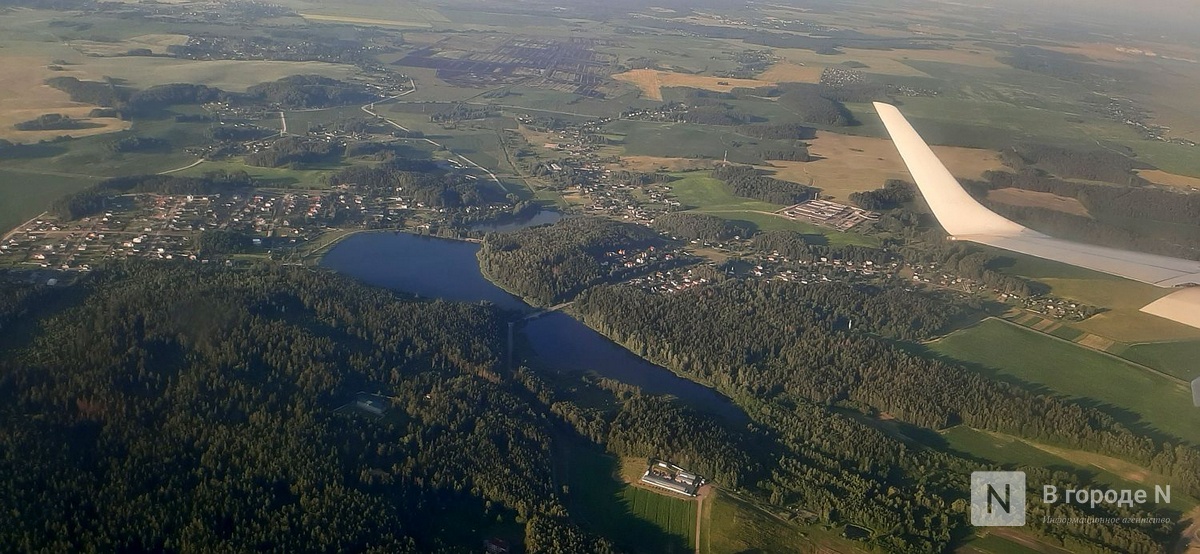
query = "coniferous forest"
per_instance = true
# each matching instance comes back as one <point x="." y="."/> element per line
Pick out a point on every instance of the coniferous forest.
<point x="167" y="408"/>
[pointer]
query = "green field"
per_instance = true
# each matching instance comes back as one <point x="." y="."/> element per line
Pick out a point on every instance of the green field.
<point x="733" y="526"/>
<point x="687" y="140"/>
<point x="25" y="195"/>
<point x="269" y="176"/>
<point x="1133" y="395"/>
<point x="769" y="222"/>
<point x="994" y="544"/>
<point x="1122" y="299"/>
<point x="674" y="515"/>
<point x="697" y="190"/>
<point x="637" y="519"/>
<point x="1014" y="453"/>
<point x="1181" y="359"/>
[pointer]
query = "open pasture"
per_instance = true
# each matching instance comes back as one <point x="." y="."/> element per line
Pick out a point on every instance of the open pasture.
<point x="1178" y="358"/>
<point x="640" y="520"/>
<point x="1122" y="299"/>
<point x="1034" y="199"/>
<point x="849" y="163"/>
<point x="24" y="195"/>
<point x="652" y="164"/>
<point x="25" y="96"/>
<point x="791" y="72"/>
<point x="1170" y="179"/>
<point x="652" y="81"/>
<point x="1015" y="452"/>
<point x="771" y="222"/>
<point x="156" y="43"/>
<point x="231" y="75"/>
<point x="1133" y="395"/>
<point x="704" y="193"/>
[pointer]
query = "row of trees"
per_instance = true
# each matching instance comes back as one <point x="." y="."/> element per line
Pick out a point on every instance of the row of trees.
<point x="53" y="122"/>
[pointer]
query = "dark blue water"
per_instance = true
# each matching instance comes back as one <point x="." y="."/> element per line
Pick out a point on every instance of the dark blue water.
<point x="425" y="266"/>
<point x="540" y="218"/>
<point x="441" y="268"/>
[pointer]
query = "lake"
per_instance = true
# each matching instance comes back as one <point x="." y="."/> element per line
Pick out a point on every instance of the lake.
<point x="442" y="268"/>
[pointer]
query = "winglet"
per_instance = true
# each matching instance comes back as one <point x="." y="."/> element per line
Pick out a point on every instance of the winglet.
<point x="957" y="212"/>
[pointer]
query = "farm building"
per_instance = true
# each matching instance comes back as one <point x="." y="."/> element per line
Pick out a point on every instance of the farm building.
<point x="666" y="475"/>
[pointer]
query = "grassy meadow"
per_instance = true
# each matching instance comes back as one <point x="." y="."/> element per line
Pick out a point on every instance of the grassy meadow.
<point x="1136" y="396"/>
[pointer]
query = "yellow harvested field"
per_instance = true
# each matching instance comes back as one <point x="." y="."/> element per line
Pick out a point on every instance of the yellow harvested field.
<point x="1169" y="179"/>
<point x="849" y="164"/>
<point x="231" y="75"/>
<point x="156" y="43"/>
<point x="1046" y="325"/>
<point x="365" y="21"/>
<point x="652" y="81"/>
<point x="23" y="97"/>
<point x="650" y="164"/>
<point x="891" y="62"/>
<point x="1095" y="342"/>
<point x="788" y="72"/>
<point x="1033" y="199"/>
<point x="1125" y="470"/>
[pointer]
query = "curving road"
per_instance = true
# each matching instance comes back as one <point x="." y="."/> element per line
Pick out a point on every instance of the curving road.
<point x="370" y="109"/>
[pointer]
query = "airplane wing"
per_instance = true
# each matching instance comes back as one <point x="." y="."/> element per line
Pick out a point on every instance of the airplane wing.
<point x="964" y="218"/>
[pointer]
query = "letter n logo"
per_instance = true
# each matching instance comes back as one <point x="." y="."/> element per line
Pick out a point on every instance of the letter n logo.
<point x="998" y="498"/>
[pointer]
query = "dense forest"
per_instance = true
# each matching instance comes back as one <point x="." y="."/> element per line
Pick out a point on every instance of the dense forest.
<point x="1092" y="165"/>
<point x="308" y="91"/>
<point x="748" y="182"/>
<point x="189" y="409"/>
<point x="292" y="92"/>
<point x="815" y="104"/>
<point x="550" y="264"/>
<point x="699" y="226"/>
<point x="785" y="352"/>
<point x="419" y="180"/>
<point x="293" y="151"/>
<point x="893" y="194"/>
<point x="793" y="131"/>
<point x="97" y="93"/>
<point x="1149" y="219"/>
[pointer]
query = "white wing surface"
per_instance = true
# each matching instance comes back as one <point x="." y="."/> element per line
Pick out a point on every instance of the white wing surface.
<point x="964" y="218"/>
